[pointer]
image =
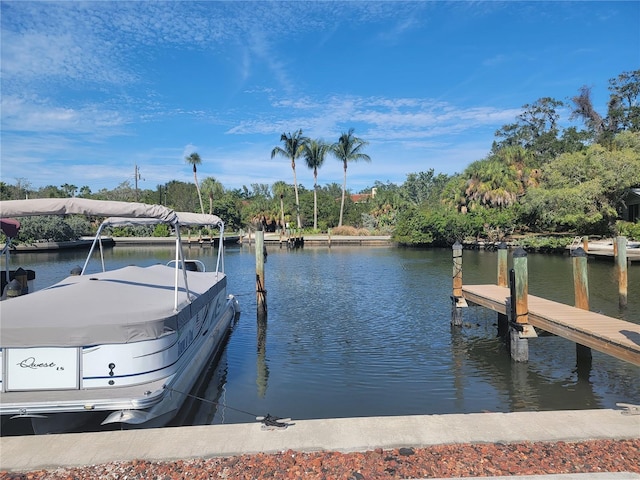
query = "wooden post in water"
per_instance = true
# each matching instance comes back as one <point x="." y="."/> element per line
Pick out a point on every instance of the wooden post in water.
<point x="503" y="281"/>
<point x="519" y="326"/>
<point x="503" y="271"/>
<point x="456" y="298"/>
<point x="329" y="237"/>
<point x="261" y="292"/>
<point x="585" y="243"/>
<point x="621" y="264"/>
<point x="581" y="294"/>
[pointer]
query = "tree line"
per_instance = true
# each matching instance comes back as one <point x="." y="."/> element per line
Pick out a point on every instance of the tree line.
<point x="539" y="177"/>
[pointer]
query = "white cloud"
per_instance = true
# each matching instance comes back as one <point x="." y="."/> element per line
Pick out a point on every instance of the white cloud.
<point x="103" y="84"/>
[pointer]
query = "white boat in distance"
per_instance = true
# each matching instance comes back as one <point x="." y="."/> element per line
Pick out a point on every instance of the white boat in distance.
<point x="120" y="346"/>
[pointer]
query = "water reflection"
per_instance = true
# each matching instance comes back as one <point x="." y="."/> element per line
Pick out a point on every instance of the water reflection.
<point x="261" y="363"/>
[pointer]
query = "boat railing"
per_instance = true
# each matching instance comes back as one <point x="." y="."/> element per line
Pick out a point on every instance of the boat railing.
<point x="179" y="261"/>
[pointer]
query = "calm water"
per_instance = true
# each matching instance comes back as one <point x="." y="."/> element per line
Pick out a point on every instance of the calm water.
<point x="358" y="331"/>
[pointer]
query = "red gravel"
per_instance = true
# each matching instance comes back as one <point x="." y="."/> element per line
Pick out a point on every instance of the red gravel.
<point x="464" y="460"/>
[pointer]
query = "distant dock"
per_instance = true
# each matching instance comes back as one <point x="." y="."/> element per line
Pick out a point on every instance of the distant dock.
<point x="604" y="250"/>
<point x="272" y="239"/>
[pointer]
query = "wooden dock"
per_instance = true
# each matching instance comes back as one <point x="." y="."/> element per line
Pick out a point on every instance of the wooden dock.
<point x="618" y="338"/>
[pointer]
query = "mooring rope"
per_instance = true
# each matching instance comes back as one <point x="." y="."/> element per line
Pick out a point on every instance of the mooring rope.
<point x="268" y="419"/>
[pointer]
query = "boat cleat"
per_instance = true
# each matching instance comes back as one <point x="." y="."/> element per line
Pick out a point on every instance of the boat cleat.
<point x="269" y="422"/>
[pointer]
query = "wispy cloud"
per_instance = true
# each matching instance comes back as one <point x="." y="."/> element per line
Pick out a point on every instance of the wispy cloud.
<point x="99" y="85"/>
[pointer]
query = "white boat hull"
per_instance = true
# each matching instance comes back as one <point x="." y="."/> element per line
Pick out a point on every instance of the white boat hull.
<point x="121" y="346"/>
<point x="144" y="399"/>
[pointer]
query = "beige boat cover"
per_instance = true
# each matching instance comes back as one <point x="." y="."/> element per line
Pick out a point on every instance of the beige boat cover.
<point x="184" y="218"/>
<point x="84" y="206"/>
<point x="126" y="305"/>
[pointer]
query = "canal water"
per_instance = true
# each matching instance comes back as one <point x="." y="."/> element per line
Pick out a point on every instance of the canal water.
<point x="365" y="331"/>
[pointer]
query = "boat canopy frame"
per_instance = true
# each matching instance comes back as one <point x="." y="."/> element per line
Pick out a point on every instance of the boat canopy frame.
<point x="121" y="213"/>
<point x="182" y="218"/>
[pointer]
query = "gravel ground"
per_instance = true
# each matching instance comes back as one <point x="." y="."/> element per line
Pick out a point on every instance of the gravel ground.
<point x="460" y="460"/>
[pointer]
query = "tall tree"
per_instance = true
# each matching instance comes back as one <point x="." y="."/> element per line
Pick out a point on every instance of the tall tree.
<point x="69" y="190"/>
<point x="314" y="153"/>
<point x="195" y="160"/>
<point x="279" y="189"/>
<point x="293" y="147"/>
<point x="623" y="111"/>
<point x="348" y="149"/>
<point x="85" y="191"/>
<point x="583" y="108"/>
<point x="212" y="188"/>
<point x="624" y="108"/>
<point x="536" y="130"/>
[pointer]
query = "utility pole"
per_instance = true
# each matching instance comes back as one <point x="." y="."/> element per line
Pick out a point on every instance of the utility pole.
<point x="136" y="175"/>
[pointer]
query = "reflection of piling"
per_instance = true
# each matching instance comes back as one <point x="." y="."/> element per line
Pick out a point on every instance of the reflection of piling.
<point x="621" y="267"/>
<point x="457" y="301"/>
<point x="581" y="294"/>
<point x="262" y="370"/>
<point x="503" y="281"/>
<point x="261" y="292"/>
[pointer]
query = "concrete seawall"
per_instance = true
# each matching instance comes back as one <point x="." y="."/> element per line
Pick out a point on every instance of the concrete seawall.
<point x="343" y="435"/>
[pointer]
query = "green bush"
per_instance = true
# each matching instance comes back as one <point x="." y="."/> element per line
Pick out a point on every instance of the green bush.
<point x="161" y="230"/>
<point x="130" y="231"/>
<point x="50" y="228"/>
<point x="628" y="229"/>
<point x="547" y="244"/>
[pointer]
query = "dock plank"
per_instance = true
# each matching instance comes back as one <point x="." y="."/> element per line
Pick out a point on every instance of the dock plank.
<point x="615" y="337"/>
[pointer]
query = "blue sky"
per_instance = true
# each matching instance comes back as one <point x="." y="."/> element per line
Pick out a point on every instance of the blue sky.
<point x="92" y="89"/>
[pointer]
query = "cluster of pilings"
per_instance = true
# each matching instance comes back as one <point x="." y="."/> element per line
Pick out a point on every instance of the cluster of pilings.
<point x="514" y="328"/>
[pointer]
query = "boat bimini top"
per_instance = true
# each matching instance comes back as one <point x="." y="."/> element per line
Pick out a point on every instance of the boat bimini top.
<point x="118" y="214"/>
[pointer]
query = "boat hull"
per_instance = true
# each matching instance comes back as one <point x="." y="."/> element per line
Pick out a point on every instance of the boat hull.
<point x="124" y="346"/>
<point x="147" y="386"/>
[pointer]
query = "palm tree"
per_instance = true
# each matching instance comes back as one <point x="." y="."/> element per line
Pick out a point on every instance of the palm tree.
<point x="194" y="159"/>
<point x="212" y="187"/>
<point x="314" y="153"/>
<point x="492" y="183"/>
<point x="293" y="146"/>
<point x="348" y="149"/>
<point x="279" y="188"/>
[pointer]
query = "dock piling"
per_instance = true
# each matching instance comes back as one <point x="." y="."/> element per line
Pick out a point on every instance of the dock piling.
<point x="520" y="330"/>
<point x="457" y="300"/>
<point x="261" y="292"/>
<point x="581" y="294"/>
<point x="503" y="281"/>
<point x="621" y="266"/>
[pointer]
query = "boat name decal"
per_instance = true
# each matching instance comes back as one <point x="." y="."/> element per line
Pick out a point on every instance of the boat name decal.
<point x="30" y="362"/>
<point x="184" y="343"/>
